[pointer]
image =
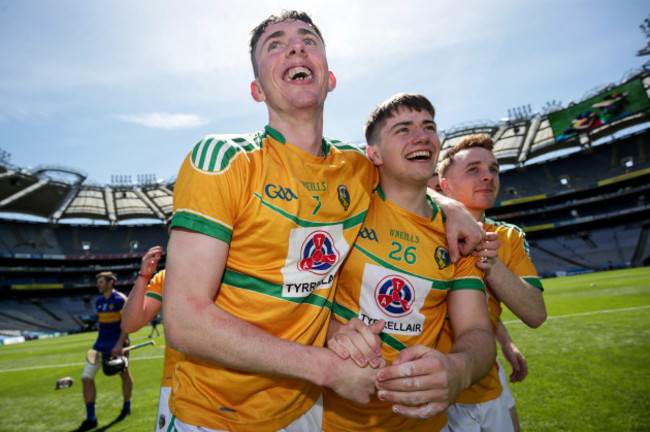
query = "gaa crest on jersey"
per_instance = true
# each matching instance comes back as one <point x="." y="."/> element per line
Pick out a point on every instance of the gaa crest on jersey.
<point x="161" y="421"/>
<point x="442" y="257"/>
<point x="344" y="197"/>
<point x="395" y="296"/>
<point x="318" y="253"/>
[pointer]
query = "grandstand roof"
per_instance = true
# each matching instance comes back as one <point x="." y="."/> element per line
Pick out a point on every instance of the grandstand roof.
<point x="57" y="193"/>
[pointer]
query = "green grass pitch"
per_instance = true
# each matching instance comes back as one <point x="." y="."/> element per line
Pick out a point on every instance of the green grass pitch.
<point x="589" y="366"/>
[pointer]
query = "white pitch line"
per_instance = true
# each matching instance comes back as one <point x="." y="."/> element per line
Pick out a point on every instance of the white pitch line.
<point x="585" y="313"/>
<point x="71" y="364"/>
<point x="505" y="322"/>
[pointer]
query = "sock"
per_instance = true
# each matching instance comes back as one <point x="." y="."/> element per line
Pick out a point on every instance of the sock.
<point x="90" y="411"/>
<point x="126" y="406"/>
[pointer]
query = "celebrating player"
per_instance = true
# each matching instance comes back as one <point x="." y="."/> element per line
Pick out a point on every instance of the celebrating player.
<point x="110" y="343"/>
<point x="399" y="272"/>
<point x="142" y="305"/>
<point x="469" y="172"/>
<point x="261" y="224"/>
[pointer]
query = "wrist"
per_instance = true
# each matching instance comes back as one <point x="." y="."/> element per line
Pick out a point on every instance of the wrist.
<point x="142" y="275"/>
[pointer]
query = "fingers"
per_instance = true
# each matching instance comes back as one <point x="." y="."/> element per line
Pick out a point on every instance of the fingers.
<point x="360" y="342"/>
<point x="452" y="242"/>
<point x="420" y="412"/>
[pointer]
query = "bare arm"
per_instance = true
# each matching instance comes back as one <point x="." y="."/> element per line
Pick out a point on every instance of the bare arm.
<point x="523" y="299"/>
<point x="463" y="232"/>
<point x="138" y="309"/>
<point x="512" y="354"/>
<point x="426" y="377"/>
<point x="196" y="325"/>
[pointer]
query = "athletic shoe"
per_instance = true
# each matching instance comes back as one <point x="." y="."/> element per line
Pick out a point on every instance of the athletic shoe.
<point x="123" y="415"/>
<point x="87" y="425"/>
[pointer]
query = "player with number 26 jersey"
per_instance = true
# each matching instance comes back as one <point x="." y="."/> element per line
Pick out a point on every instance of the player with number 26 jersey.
<point x="399" y="270"/>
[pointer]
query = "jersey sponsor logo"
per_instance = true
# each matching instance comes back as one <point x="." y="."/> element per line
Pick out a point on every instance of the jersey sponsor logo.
<point x="395" y="296"/>
<point x="368" y="233"/>
<point x="313" y="258"/>
<point x="344" y="197"/>
<point x="318" y="253"/>
<point x="285" y="194"/>
<point x="442" y="257"/>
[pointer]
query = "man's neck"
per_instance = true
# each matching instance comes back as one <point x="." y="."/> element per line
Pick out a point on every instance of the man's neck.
<point x="108" y="293"/>
<point x="303" y="129"/>
<point x="410" y="198"/>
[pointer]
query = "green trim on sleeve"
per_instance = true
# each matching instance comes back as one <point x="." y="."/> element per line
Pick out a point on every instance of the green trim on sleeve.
<point x="201" y="224"/>
<point x="536" y="282"/>
<point x="153" y="295"/>
<point x="467" y="283"/>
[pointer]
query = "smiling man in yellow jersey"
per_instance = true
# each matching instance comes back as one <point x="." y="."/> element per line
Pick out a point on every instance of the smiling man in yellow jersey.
<point x="469" y="172"/>
<point x="262" y="222"/>
<point x="399" y="271"/>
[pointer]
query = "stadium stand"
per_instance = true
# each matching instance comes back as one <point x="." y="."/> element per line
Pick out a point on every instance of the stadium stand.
<point x="583" y="199"/>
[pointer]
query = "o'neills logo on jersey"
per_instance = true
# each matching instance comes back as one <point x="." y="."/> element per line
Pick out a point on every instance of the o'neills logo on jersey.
<point x="395" y="296"/>
<point x="318" y="254"/>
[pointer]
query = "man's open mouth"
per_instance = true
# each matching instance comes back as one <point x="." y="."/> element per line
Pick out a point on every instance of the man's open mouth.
<point x="419" y="155"/>
<point x="298" y="73"/>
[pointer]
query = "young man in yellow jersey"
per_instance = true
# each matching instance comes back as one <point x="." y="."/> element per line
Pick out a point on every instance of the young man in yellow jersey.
<point x="142" y="305"/>
<point x="469" y="173"/>
<point x="261" y="224"/>
<point x="399" y="272"/>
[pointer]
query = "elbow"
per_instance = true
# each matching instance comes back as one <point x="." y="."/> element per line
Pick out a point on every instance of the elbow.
<point x="537" y="319"/>
<point x="128" y="328"/>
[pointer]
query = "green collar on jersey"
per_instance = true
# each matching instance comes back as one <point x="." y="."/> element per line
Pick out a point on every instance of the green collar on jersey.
<point x="277" y="135"/>
<point x="379" y="191"/>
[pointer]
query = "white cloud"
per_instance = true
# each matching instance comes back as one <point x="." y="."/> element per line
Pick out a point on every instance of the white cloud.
<point x="166" y="120"/>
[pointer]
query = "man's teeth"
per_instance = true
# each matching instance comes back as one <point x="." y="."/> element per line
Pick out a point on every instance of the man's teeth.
<point x="299" y="73"/>
<point x="419" y="154"/>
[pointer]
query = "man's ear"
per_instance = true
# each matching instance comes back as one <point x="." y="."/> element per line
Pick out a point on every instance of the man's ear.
<point x="331" y="82"/>
<point x="445" y="186"/>
<point x="374" y="155"/>
<point x="257" y="92"/>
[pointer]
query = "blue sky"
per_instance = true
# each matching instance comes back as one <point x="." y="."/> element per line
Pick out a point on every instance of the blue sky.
<point x="116" y="87"/>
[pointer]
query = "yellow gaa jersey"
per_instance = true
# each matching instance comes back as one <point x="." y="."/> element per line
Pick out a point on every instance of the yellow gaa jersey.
<point x="400" y="271"/>
<point x="514" y="252"/>
<point x="290" y="219"/>
<point x="155" y="290"/>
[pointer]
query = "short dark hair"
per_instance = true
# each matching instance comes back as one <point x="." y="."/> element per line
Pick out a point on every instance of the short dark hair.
<point x="469" y="141"/>
<point x="390" y="107"/>
<point x="107" y="275"/>
<point x="286" y="15"/>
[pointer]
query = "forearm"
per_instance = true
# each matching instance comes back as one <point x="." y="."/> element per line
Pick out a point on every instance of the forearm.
<point x="502" y="336"/>
<point x="133" y="317"/>
<point x="214" y="335"/>
<point x="473" y="354"/>
<point x="523" y="299"/>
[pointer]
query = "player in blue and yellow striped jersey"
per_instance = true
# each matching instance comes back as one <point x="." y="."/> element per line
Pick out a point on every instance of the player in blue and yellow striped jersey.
<point x="110" y="342"/>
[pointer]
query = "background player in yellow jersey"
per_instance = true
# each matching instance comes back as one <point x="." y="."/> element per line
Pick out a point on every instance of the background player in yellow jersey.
<point x="261" y="224"/>
<point x="469" y="172"/>
<point x="399" y="272"/>
<point x="142" y="305"/>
